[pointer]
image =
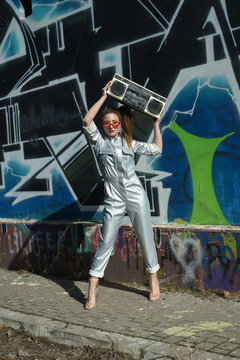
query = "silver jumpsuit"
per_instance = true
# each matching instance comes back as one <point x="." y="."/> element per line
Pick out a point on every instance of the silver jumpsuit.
<point x="123" y="192"/>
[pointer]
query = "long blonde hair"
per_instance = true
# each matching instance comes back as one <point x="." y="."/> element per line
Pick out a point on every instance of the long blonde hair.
<point x="126" y="117"/>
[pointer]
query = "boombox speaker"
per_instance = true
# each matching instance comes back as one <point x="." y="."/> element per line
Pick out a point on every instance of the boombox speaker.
<point x="136" y="96"/>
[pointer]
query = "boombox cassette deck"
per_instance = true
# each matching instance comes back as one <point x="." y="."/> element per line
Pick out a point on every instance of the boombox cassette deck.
<point x="136" y="96"/>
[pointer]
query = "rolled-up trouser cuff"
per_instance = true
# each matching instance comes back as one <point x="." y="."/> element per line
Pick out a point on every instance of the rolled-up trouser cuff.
<point x="100" y="275"/>
<point x="153" y="270"/>
<point x="96" y="274"/>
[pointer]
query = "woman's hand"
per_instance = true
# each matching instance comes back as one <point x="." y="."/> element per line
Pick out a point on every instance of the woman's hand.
<point x="106" y="87"/>
<point x="156" y="121"/>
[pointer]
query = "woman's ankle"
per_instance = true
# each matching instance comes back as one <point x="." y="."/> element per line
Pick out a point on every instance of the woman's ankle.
<point x="154" y="287"/>
<point x="92" y="293"/>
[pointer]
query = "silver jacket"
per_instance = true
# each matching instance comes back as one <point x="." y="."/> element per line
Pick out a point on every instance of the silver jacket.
<point x="114" y="163"/>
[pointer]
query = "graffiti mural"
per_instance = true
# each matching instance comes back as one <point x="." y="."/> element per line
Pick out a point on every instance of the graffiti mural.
<point x="195" y="258"/>
<point x="181" y="247"/>
<point x="53" y="65"/>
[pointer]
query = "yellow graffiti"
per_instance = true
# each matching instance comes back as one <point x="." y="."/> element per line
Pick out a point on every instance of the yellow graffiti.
<point x="230" y="241"/>
<point x="177" y="330"/>
<point x="193" y="330"/>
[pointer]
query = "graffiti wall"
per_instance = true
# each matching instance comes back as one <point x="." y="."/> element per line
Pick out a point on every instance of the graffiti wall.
<point x="194" y="258"/>
<point x="53" y="65"/>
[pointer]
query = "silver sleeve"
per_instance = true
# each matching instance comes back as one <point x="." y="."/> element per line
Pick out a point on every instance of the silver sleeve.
<point x="92" y="133"/>
<point x="142" y="148"/>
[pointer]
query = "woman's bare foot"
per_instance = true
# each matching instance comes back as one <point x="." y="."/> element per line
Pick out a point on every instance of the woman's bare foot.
<point x="92" y="293"/>
<point x="154" y="287"/>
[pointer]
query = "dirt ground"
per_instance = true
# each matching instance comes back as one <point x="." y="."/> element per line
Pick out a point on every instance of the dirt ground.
<point x="17" y="344"/>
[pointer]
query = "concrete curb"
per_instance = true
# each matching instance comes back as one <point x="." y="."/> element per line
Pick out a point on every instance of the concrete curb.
<point x="78" y="335"/>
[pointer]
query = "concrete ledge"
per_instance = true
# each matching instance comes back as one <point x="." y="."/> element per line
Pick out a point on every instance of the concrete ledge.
<point x="73" y="335"/>
<point x="77" y="335"/>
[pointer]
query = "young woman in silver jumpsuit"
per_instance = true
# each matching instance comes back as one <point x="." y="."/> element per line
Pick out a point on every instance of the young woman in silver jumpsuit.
<point x="123" y="190"/>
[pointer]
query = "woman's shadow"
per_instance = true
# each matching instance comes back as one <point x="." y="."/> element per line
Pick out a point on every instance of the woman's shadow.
<point x="75" y="292"/>
<point x="69" y="283"/>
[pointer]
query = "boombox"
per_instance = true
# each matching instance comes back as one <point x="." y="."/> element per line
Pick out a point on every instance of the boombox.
<point x="136" y="96"/>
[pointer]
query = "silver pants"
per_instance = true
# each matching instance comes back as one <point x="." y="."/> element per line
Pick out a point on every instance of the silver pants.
<point x="125" y="195"/>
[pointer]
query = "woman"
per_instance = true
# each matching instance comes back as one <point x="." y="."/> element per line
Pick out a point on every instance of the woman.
<point x="123" y="191"/>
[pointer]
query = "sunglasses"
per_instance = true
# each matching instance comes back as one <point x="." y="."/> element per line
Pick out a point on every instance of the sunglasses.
<point x="107" y="124"/>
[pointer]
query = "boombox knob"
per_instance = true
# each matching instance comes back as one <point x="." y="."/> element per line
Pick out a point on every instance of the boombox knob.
<point x="118" y="88"/>
<point x="154" y="106"/>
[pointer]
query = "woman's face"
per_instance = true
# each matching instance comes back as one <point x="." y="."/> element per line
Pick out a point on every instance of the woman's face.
<point x="111" y="124"/>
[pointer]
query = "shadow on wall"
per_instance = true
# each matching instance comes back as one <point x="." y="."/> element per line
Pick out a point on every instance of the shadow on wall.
<point x="67" y="250"/>
<point x="44" y="248"/>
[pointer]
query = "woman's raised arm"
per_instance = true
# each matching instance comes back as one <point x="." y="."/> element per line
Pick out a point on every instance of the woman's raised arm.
<point x="157" y="133"/>
<point x="92" y="112"/>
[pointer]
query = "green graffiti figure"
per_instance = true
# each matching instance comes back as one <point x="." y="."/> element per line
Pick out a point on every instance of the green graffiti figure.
<point x="200" y="152"/>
